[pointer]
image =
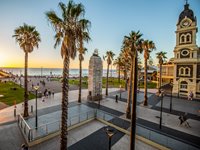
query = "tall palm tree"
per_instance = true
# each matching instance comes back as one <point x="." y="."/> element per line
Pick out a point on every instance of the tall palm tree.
<point x="83" y="35"/>
<point x="134" y="43"/>
<point x="161" y="58"/>
<point x="110" y="56"/>
<point x="126" y="65"/>
<point x="118" y="63"/>
<point x="27" y="37"/>
<point x="148" y="47"/>
<point x="66" y="33"/>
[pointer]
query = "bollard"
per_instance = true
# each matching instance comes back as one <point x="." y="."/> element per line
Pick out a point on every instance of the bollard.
<point x="116" y="99"/>
<point x="32" y="108"/>
<point x="15" y="112"/>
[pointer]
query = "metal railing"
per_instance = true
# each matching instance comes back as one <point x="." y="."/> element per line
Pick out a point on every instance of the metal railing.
<point x="32" y="134"/>
<point x="164" y="139"/>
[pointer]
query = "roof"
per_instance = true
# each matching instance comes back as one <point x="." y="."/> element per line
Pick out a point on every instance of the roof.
<point x="186" y="13"/>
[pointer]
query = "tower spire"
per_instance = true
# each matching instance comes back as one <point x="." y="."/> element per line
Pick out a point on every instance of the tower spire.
<point x="186" y="2"/>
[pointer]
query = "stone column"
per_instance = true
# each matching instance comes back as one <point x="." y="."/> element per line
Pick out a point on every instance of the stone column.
<point x="95" y="77"/>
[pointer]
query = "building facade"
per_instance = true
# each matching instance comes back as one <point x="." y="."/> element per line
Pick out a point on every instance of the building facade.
<point x="186" y="74"/>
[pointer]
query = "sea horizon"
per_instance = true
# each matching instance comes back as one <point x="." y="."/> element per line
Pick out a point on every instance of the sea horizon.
<point x="73" y="72"/>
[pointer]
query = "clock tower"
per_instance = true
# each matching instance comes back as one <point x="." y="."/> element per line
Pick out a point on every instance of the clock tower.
<point x="186" y="55"/>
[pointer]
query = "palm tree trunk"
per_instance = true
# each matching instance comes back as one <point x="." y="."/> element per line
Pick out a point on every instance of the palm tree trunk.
<point x="26" y="86"/>
<point x="145" y="83"/>
<point x="65" y="89"/>
<point x="107" y="80"/>
<point x="119" y="75"/>
<point x="80" y="80"/>
<point x="134" y="103"/>
<point x="126" y="82"/>
<point x="128" y="109"/>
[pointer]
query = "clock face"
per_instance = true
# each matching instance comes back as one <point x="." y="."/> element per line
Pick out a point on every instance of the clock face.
<point x="185" y="52"/>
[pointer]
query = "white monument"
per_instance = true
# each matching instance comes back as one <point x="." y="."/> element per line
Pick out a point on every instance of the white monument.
<point x="95" y="77"/>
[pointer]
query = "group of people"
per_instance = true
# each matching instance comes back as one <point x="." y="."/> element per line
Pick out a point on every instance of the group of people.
<point x="48" y="93"/>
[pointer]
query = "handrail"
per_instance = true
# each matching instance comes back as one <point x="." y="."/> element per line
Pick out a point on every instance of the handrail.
<point x="168" y="135"/>
<point x="60" y="120"/>
<point x="24" y="121"/>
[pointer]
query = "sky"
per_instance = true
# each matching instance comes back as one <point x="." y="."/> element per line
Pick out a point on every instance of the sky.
<point x="110" y="20"/>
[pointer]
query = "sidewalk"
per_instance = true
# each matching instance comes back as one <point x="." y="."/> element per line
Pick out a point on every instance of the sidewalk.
<point x="7" y="114"/>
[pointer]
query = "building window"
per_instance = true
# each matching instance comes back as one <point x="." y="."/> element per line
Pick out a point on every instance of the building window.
<point x="177" y="55"/>
<point x="184" y="71"/>
<point x="183" y="85"/>
<point x="182" y="38"/>
<point x="188" y="38"/>
<point x="192" y="54"/>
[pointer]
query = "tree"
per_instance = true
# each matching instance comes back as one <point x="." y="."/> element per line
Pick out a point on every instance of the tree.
<point x="27" y="37"/>
<point x="118" y="64"/>
<point x="148" y="47"/>
<point x="150" y="62"/>
<point x="133" y="42"/>
<point x="66" y="29"/>
<point x="83" y="35"/>
<point x="109" y="55"/>
<point x="161" y="56"/>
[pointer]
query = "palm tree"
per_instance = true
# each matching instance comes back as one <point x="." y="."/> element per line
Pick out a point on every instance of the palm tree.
<point x="148" y="47"/>
<point x="134" y="43"/>
<point x="66" y="33"/>
<point x="161" y="58"/>
<point x="83" y="35"/>
<point x="126" y="65"/>
<point x="118" y="63"/>
<point x="27" y="37"/>
<point x="109" y="55"/>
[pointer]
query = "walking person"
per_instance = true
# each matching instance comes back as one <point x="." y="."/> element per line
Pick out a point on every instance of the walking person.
<point x="190" y="96"/>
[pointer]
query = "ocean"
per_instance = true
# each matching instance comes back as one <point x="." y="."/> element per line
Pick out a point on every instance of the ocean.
<point x="53" y="72"/>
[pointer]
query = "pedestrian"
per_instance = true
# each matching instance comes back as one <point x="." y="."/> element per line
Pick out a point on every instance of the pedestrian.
<point x="49" y="92"/>
<point x="181" y="120"/>
<point x="190" y="96"/>
<point x="185" y="121"/>
<point x="53" y="92"/>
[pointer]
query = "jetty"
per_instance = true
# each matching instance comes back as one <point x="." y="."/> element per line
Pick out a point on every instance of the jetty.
<point x="4" y="74"/>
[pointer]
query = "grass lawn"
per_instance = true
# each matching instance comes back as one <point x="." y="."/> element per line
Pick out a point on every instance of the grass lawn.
<point x="112" y="82"/>
<point x="11" y="95"/>
<point x="150" y="85"/>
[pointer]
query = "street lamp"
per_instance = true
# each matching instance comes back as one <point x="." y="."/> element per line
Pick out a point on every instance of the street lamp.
<point x="36" y="115"/>
<point x="161" y="95"/>
<point x="110" y="132"/>
<point x="171" y="84"/>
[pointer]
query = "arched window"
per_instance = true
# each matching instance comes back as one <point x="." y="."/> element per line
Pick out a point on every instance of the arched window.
<point x="188" y="38"/>
<point x="186" y="71"/>
<point x="182" y="39"/>
<point x="181" y="71"/>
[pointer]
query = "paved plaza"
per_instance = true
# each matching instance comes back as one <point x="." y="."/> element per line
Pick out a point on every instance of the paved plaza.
<point x="93" y="134"/>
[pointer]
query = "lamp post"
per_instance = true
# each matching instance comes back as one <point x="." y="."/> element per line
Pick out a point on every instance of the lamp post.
<point x="36" y="115"/>
<point x="170" y="109"/>
<point x="161" y="95"/>
<point x="110" y="132"/>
